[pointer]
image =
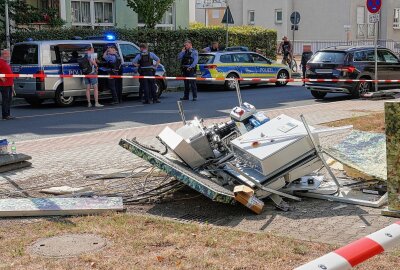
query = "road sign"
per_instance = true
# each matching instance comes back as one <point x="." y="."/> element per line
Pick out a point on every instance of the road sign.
<point x="206" y="4"/>
<point x="228" y="18"/>
<point x="373" y="18"/>
<point x="295" y="17"/>
<point x="295" y="27"/>
<point x="374" y="5"/>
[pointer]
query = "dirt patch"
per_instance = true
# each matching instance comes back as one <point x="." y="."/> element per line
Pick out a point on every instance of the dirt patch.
<point x="373" y="123"/>
<point x="141" y="242"/>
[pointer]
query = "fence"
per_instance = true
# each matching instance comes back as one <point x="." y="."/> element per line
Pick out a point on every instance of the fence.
<point x="318" y="45"/>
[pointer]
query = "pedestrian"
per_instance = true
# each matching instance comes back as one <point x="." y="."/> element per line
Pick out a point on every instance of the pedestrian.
<point x="305" y="57"/>
<point x="189" y="58"/>
<point x="144" y="61"/>
<point x="89" y="67"/>
<point x="213" y="48"/>
<point x="6" y="85"/>
<point x="113" y="65"/>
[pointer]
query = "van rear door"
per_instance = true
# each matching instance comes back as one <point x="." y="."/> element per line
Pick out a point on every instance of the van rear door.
<point x="70" y="54"/>
<point x="25" y="60"/>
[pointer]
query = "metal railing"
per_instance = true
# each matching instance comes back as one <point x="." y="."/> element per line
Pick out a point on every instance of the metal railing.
<point x="318" y="45"/>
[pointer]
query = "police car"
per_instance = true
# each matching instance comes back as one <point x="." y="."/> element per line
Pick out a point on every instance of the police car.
<point x="239" y="64"/>
<point x="61" y="57"/>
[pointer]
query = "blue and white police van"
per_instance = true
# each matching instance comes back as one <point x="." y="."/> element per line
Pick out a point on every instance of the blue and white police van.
<point x="58" y="57"/>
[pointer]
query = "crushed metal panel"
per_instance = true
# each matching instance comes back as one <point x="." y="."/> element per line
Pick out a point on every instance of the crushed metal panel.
<point x="181" y="172"/>
<point x="363" y="151"/>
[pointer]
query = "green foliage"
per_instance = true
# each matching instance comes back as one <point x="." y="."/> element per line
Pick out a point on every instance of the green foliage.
<point x="151" y="11"/>
<point x="168" y="43"/>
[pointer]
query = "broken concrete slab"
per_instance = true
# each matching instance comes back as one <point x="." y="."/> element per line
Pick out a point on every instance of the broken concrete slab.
<point x="13" y="158"/>
<point x="15" y="166"/>
<point x="31" y="207"/>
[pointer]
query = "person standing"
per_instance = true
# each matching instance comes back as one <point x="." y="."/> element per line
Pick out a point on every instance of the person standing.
<point x="189" y="58"/>
<point x="89" y="67"/>
<point x="287" y="50"/>
<point x="144" y="61"/>
<point x="112" y="68"/>
<point x="6" y="85"/>
<point x="305" y="57"/>
<point x="213" y="48"/>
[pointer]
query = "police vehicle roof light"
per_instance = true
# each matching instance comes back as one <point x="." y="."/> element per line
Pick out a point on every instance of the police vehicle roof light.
<point x="29" y="39"/>
<point x="110" y="37"/>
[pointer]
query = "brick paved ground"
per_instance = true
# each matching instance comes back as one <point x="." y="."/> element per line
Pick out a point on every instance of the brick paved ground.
<point x="66" y="159"/>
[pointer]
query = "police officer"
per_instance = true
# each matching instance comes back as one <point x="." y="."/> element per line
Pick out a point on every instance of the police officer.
<point x="213" y="48"/>
<point x="113" y="61"/>
<point x="144" y="61"/>
<point x="189" y="58"/>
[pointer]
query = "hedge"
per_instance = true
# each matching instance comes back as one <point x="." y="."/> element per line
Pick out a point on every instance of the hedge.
<point x="167" y="43"/>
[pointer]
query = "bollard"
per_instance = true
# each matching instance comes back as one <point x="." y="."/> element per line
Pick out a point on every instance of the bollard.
<point x="392" y="120"/>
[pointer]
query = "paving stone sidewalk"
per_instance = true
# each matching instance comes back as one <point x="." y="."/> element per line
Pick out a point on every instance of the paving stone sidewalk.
<point x="66" y="159"/>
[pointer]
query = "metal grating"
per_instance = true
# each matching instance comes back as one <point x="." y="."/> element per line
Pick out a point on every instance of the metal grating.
<point x="219" y="221"/>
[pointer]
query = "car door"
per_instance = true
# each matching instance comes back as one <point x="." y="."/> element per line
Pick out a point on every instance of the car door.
<point x="245" y="65"/>
<point x="69" y="56"/>
<point x="128" y="53"/>
<point x="263" y="66"/>
<point x="391" y="66"/>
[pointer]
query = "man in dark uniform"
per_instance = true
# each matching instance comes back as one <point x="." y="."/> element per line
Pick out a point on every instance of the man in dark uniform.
<point x="144" y="61"/>
<point x="189" y="58"/>
<point x="113" y="66"/>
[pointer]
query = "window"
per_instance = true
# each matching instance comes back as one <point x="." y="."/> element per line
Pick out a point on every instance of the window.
<point x="128" y="52"/>
<point x="360" y="15"/>
<point x="278" y="16"/>
<point x="25" y="54"/>
<point x="206" y="59"/>
<point x="226" y="58"/>
<point x="215" y="13"/>
<point x="388" y="57"/>
<point x="80" y="12"/>
<point x="259" y="59"/>
<point x="166" y="21"/>
<point x="92" y="12"/>
<point x="242" y="58"/>
<point x="329" y="57"/>
<point x="251" y="15"/>
<point x="396" y="18"/>
<point x="69" y="53"/>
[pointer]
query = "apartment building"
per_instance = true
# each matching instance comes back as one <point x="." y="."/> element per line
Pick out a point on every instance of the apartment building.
<point x="320" y="19"/>
<point x="111" y="13"/>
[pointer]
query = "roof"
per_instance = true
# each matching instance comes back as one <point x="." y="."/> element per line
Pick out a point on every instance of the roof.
<point x="346" y="48"/>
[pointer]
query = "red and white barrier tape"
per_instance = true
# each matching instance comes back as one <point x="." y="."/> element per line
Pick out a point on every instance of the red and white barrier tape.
<point x="357" y="252"/>
<point x="189" y="78"/>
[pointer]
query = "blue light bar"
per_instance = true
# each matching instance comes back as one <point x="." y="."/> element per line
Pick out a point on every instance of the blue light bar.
<point x="110" y="37"/>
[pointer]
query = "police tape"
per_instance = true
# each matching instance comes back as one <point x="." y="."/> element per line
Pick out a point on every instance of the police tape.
<point x="272" y="80"/>
<point x="359" y="251"/>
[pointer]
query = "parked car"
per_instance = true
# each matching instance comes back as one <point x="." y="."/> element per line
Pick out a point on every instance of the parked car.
<point x="346" y="62"/>
<point x="239" y="65"/>
<point x="58" y="57"/>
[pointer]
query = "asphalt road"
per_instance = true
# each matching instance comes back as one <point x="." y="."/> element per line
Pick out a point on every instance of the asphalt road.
<point x="50" y="120"/>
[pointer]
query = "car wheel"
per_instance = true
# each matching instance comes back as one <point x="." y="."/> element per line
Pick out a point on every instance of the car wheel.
<point x="283" y="74"/>
<point x="159" y="88"/>
<point x="230" y="85"/>
<point x="361" y="88"/>
<point x="35" y="102"/>
<point x="318" y="94"/>
<point x="61" y="100"/>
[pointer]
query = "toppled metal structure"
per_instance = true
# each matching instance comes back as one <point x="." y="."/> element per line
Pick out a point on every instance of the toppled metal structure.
<point x="250" y="149"/>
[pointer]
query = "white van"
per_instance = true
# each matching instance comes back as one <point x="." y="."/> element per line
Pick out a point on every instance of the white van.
<point x="61" y="57"/>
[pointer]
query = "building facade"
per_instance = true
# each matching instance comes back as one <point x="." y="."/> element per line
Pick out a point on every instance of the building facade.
<point x="320" y="19"/>
<point x="111" y="13"/>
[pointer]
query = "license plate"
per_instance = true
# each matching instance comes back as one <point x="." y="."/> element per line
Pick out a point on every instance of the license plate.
<point x="324" y="71"/>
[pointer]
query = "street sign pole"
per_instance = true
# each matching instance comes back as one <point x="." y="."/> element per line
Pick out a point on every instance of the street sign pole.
<point x="227" y="25"/>
<point x="7" y="26"/>
<point x="376" y="56"/>
<point x="374" y="6"/>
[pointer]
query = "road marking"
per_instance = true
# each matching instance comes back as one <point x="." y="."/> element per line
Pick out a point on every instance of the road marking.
<point x="74" y="112"/>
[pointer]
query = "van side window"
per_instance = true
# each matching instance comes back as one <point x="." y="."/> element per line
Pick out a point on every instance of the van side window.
<point x="25" y="54"/>
<point x="71" y="53"/>
<point x="128" y="52"/>
<point x="55" y="55"/>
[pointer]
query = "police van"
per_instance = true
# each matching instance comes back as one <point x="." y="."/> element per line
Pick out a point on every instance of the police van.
<point x="58" y="57"/>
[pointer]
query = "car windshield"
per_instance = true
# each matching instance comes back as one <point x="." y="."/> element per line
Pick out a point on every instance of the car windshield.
<point x="329" y="57"/>
<point x="25" y="54"/>
<point x="206" y="59"/>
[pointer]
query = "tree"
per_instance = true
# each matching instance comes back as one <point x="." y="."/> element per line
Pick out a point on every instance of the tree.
<point x="151" y="11"/>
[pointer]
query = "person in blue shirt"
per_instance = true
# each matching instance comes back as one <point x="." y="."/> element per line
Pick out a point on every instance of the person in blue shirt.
<point x="144" y="61"/>
<point x="213" y="48"/>
<point x="113" y="64"/>
<point x="189" y="58"/>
